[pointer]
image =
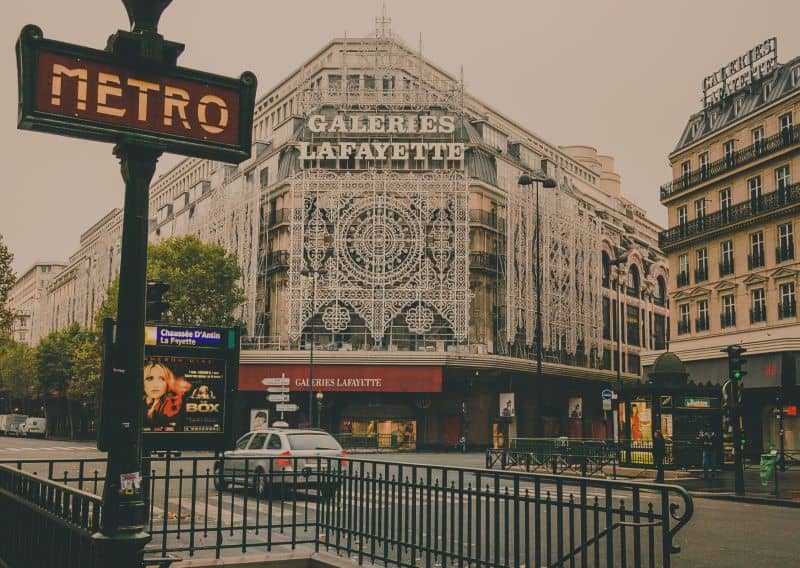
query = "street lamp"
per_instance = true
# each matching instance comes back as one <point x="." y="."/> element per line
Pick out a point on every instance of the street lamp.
<point x="313" y="272"/>
<point x="320" y="396"/>
<point x="547" y="183"/>
<point x="617" y="262"/>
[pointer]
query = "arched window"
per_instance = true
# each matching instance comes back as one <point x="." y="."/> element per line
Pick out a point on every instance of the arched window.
<point x="633" y="281"/>
<point x="606" y="270"/>
<point x="661" y="293"/>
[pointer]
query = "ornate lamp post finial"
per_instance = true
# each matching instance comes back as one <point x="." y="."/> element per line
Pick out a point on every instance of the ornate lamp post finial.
<point x="144" y="14"/>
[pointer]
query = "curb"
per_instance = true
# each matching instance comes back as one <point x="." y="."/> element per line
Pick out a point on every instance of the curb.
<point x="746" y="499"/>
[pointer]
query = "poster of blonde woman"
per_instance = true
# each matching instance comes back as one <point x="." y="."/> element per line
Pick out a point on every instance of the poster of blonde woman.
<point x="182" y="394"/>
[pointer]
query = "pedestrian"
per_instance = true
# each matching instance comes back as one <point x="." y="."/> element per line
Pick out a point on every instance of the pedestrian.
<point x="708" y="441"/>
<point x="659" y="449"/>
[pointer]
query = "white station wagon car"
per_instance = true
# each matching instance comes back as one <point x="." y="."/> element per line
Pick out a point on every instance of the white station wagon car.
<point x="272" y="457"/>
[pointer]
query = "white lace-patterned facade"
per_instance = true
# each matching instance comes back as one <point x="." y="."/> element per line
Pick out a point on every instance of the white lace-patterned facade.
<point x="382" y="244"/>
<point x="571" y="298"/>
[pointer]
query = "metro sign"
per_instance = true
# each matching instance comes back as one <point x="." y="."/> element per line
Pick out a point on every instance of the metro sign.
<point x="88" y="93"/>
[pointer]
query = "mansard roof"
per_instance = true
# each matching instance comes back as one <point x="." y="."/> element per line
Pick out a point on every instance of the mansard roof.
<point x="722" y="114"/>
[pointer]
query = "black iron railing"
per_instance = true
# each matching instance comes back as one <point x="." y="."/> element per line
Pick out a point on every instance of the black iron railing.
<point x="787" y="310"/>
<point x="701" y="274"/>
<point x="701" y="324"/>
<point x="758" y="314"/>
<point x="782" y="254"/>
<point x="683" y="327"/>
<point x="45" y="523"/>
<point x="659" y="301"/>
<point x="727" y="319"/>
<point x="683" y="279"/>
<point x="775" y="143"/>
<point x="743" y="211"/>
<point x="726" y="267"/>
<point x="755" y="261"/>
<point x="484" y="260"/>
<point x="397" y="514"/>
<point x="488" y="219"/>
<point x="277" y="259"/>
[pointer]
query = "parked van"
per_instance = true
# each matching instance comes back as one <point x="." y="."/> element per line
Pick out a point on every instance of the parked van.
<point x="33" y="426"/>
<point x="9" y="426"/>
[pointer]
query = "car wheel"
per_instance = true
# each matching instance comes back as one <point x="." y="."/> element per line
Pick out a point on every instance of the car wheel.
<point x="219" y="481"/>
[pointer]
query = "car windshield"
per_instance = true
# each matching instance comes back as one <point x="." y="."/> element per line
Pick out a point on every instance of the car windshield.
<point x="312" y="441"/>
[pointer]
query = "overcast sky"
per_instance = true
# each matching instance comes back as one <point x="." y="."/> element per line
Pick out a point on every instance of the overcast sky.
<point x="620" y="75"/>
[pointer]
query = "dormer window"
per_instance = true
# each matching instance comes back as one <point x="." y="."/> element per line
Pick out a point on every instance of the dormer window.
<point x="737" y="106"/>
<point x="767" y="90"/>
<point x="796" y="76"/>
<point x="712" y="119"/>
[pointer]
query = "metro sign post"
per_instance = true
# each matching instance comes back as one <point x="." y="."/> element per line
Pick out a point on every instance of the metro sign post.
<point x="133" y="95"/>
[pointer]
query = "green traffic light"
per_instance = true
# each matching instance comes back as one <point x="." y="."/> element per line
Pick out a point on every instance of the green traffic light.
<point x="737" y="375"/>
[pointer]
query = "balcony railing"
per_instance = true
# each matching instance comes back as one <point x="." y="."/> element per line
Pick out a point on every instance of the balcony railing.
<point x="659" y="301"/>
<point x="740" y="212"/>
<point x="280" y="216"/>
<point x="485" y="260"/>
<point x="726" y="268"/>
<point x="758" y="314"/>
<point x="787" y="309"/>
<point x="683" y="327"/>
<point x="683" y="279"/>
<point x="727" y="319"/>
<point x="632" y="292"/>
<point x="782" y="254"/>
<point x="701" y="324"/>
<point x="277" y="259"/>
<point x="738" y="158"/>
<point x="755" y="260"/>
<point x="487" y="218"/>
<point x="701" y="274"/>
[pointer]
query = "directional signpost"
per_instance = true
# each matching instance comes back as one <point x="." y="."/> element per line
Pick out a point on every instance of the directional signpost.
<point x="286" y="407"/>
<point x="133" y="95"/>
<point x="279" y="389"/>
<point x="278" y="397"/>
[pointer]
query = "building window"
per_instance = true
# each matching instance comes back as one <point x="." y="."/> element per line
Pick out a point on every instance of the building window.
<point x="700" y="209"/>
<point x="335" y="83"/>
<point x="782" y="178"/>
<point x="754" y="189"/>
<point x="796" y="75"/>
<point x="767" y="90"/>
<point x="702" y="316"/>
<point x="758" y="306"/>
<point x="725" y="204"/>
<point x="703" y="162"/>
<point x="683" y="319"/>
<point x="701" y="272"/>
<point x="660" y="298"/>
<point x="728" y="315"/>
<point x="785" y="249"/>
<point x="632" y="323"/>
<point x="686" y="170"/>
<point x="787" y="307"/>
<point x="606" y="318"/>
<point x="263" y="177"/>
<point x="785" y="122"/>
<point x="353" y="83"/>
<point x="633" y="282"/>
<point x="683" y="218"/>
<point x="756" y="258"/>
<point x="606" y="270"/>
<point x="726" y="258"/>
<point x="738" y="105"/>
<point x="660" y="331"/>
<point x="727" y="151"/>
<point x="683" y="270"/>
<point x="758" y="139"/>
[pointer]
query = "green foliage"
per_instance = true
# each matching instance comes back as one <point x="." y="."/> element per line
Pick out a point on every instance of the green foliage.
<point x="17" y="369"/>
<point x="84" y="385"/>
<point x="7" y="279"/>
<point x="202" y="280"/>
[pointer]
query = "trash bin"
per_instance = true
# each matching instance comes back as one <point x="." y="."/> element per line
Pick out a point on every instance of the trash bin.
<point x="768" y="467"/>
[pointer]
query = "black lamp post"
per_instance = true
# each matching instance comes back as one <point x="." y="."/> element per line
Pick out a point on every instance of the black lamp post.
<point x="320" y="396"/>
<point x="548" y="183"/>
<point x="617" y="262"/>
<point x="313" y="272"/>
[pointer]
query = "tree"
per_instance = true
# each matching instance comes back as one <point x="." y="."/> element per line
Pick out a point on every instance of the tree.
<point x="17" y="371"/>
<point x="202" y="280"/>
<point x="7" y="279"/>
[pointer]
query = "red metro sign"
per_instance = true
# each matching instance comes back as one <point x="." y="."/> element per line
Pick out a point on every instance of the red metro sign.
<point x="88" y="93"/>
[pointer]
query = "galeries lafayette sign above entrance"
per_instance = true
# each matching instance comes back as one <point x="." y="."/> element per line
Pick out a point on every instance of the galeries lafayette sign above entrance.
<point x="361" y="378"/>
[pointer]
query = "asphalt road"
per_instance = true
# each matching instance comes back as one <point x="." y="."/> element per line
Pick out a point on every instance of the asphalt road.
<point x="721" y="533"/>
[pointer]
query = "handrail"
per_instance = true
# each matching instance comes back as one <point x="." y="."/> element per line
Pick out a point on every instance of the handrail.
<point x="767" y="203"/>
<point x="738" y="158"/>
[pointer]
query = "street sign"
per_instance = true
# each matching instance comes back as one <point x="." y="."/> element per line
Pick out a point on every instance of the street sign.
<point x="278" y="397"/>
<point x="276" y="381"/>
<point x="286" y="407"/>
<point x="607" y="394"/>
<point x="278" y="389"/>
<point x="97" y="95"/>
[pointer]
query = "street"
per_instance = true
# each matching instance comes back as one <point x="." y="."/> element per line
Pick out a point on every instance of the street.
<point x="720" y="532"/>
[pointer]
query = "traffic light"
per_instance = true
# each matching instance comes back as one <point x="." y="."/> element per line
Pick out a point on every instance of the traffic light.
<point x="735" y="362"/>
<point x="156" y="306"/>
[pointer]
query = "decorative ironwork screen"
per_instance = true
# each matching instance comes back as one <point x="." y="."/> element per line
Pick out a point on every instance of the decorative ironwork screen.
<point x="382" y="244"/>
<point x="571" y="309"/>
